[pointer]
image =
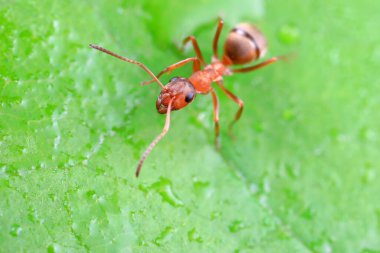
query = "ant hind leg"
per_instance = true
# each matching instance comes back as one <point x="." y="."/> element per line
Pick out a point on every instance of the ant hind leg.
<point x="262" y="64"/>
<point x="216" y="39"/>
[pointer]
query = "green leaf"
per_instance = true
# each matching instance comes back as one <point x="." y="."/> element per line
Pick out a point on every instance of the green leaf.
<point x="302" y="175"/>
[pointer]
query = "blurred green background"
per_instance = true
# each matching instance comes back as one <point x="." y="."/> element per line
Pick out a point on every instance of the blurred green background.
<point x="302" y="176"/>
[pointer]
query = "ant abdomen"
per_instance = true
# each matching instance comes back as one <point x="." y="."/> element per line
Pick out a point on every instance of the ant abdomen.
<point x="245" y="43"/>
<point x="179" y="88"/>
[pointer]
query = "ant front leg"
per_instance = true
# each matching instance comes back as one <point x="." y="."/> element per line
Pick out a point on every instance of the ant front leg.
<point x="215" y="104"/>
<point x="236" y="100"/>
<point x="196" y="48"/>
<point x="196" y="67"/>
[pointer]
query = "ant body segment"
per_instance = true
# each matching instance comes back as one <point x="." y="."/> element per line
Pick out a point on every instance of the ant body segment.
<point x="245" y="43"/>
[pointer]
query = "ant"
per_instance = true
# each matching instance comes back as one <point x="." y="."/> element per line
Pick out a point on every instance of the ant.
<point x="245" y="43"/>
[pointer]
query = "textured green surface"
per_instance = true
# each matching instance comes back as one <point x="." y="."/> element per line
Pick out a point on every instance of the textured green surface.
<point x="303" y="175"/>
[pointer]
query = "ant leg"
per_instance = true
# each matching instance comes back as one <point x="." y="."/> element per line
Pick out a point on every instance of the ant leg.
<point x="196" y="48"/>
<point x="196" y="67"/>
<point x="128" y="60"/>
<point x="236" y="100"/>
<point x="215" y="103"/>
<point x="260" y="65"/>
<point x="158" y="138"/>
<point x="216" y="39"/>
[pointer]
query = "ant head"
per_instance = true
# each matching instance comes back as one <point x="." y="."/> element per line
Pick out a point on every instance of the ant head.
<point x="245" y="43"/>
<point x="181" y="89"/>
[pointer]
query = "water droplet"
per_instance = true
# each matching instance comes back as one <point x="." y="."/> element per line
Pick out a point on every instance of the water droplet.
<point x="253" y="188"/>
<point x="266" y="185"/>
<point x="101" y="172"/>
<point x="322" y="245"/>
<point x="57" y="141"/>
<point x="53" y="197"/>
<point x="33" y="215"/>
<point x="93" y="227"/>
<point x="318" y="151"/>
<point x="3" y="172"/>
<point x="165" y="189"/>
<point x="367" y="134"/>
<point x="164" y="236"/>
<point x="258" y="126"/>
<point x="292" y="170"/>
<point x="203" y="119"/>
<point x="75" y="226"/>
<point x="326" y="248"/>
<point x="308" y="213"/>
<point x="53" y="248"/>
<point x="194" y="236"/>
<point x="43" y="165"/>
<point x="24" y="102"/>
<point x="201" y="187"/>
<point x="343" y="137"/>
<point x="95" y="148"/>
<point x="334" y="56"/>
<point x="263" y="200"/>
<point x="15" y="230"/>
<point x="142" y="243"/>
<point x="12" y="171"/>
<point x="91" y="195"/>
<point x="288" y="34"/>
<point x="236" y="226"/>
<point x="289" y="114"/>
<point x="268" y="223"/>
<point x="215" y="214"/>
<point x="369" y="174"/>
<point x="132" y="216"/>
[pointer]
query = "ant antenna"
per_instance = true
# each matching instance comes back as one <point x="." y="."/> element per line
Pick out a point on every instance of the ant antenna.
<point x="128" y="60"/>
<point x="158" y="138"/>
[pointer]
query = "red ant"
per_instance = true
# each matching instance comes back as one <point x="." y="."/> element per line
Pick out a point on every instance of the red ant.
<point x="245" y="43"/>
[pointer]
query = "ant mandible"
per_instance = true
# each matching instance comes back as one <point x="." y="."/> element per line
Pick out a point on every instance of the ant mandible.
<point x="245" y="43"/>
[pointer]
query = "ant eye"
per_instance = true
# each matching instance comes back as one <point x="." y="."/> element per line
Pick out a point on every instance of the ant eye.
<point x="173" y="79"/>
<point x="189" y="97"/>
